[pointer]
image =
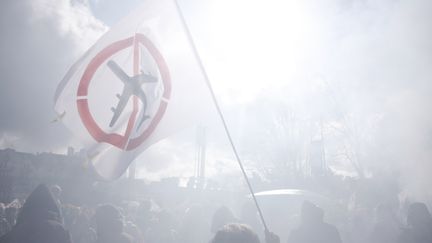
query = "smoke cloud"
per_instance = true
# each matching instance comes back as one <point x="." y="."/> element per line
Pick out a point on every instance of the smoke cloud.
<point x="40" y="40"/>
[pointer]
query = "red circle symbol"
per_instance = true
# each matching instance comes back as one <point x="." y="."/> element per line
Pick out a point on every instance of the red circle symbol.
<point x="123" y="141"/>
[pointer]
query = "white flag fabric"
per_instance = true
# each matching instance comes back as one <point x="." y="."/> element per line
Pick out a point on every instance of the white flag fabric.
<point x="138" y="84"/>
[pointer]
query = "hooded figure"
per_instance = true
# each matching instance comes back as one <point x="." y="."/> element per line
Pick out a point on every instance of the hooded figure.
<point x="312" y="228"/>
<point x="222" y="216"/>
<point x="109" y="225"/>
<point x="386" y="228"/>
<point x="419" y="225"/>
<point x="39" y="221"/>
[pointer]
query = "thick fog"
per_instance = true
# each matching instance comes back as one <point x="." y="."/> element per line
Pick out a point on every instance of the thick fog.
<point x="40" y="40"/>
<point x="355" y="75"/>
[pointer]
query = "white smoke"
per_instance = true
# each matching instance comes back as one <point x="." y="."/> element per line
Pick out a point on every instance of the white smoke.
<point x="40" y="40"/>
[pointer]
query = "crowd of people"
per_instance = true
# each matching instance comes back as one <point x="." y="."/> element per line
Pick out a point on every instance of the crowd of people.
<point x="43" y="218"/>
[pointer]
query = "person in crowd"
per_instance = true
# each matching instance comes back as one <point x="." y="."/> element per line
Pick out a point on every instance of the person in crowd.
<point x="419" y="222"/>
<point x="222" y="216"/>
<point x="240" y="233"/>
<point x="312" y="228"/>
<point x="4" y="224"/>
<point x="162" y="229"/>
<point x="194" y="227"/>
<point x="386" y="228"/>
<point x="11" y="212"/>
<point x="133" y="230"/>
<point x="144" y="215"/>
<point x="56" y="192"/>
<point x="70" y="214"/>
<point x="39" y="221"/>
<point x="81" y="229"/>
<point x="109" y="225"/>
<point x="235" y="233"/>
<point x="359" y="225"/>
<point x="249" y="216"/>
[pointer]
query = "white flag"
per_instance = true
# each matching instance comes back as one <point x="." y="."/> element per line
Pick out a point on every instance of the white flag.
<point x="138" y="84"/>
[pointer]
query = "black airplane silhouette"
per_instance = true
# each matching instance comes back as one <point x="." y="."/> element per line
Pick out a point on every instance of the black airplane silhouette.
<point x="132" y="86"/>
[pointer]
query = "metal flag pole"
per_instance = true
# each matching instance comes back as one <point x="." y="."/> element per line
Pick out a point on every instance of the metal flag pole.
<point x="195" y="51"/>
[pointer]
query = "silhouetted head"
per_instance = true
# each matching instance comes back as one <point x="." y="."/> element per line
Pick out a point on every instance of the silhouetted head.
<point x="39" y="205"/>
<point x="145" y="206"/>
<point x="418" y="215"/>
<point x="235" y="233"/>
<point x="310" y="213"/>
<point x="248" y="210"/>
<point x="222" y="216"/>
<point x="109" y="220"/>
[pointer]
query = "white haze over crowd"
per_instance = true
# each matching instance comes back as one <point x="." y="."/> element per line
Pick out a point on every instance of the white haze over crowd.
<point x="356" y="73"/>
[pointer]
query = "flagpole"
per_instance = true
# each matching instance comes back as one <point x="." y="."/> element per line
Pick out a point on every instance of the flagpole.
<point x="195" y="51"/>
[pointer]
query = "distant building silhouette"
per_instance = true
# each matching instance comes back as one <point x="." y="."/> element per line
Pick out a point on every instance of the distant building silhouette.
<point x="20" y="172"/>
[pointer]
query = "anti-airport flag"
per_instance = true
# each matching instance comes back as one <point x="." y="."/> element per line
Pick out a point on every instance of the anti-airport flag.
<point x="138" y="84"/>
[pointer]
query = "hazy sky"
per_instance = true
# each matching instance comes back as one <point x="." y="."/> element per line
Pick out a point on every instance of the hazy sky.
<point x="361" y="66"/>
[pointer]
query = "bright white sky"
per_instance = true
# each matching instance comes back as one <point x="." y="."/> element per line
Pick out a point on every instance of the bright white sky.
<point x="247" y="46"/>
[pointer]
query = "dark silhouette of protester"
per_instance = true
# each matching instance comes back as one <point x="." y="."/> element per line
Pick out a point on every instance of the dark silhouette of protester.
<point x="81" y="229"/>
<point x="162" y="229"/>
<point x="11" y="212"/>
<point x="221" y="217"/>
<point x="132" y="229"/>
<point x="39" y="221"/>
<point x="235" y="233"/>
<point x="109" y="225"/>
<point x="56" y="191"/>
<point x="359" y="226"/>
<point x="249" y="216"/>
<point x="419" y="222"/>
<point x="312" y="228"/>
<point x="240" y="233"/>
<point x="194" y="227"/>
<point x="386" y="228"/>
<point x="4" y="224"/>
<point x="144" y="215"/>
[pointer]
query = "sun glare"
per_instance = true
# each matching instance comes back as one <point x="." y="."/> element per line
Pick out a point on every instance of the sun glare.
<point x="258" y="45"/>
